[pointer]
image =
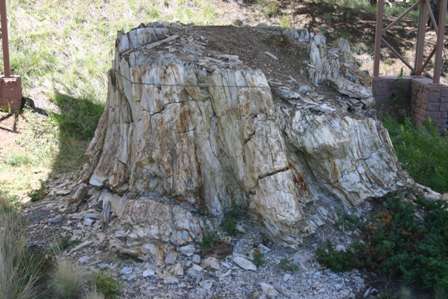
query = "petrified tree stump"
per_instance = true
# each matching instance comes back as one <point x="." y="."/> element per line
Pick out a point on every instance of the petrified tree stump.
<point x="202" y="119"/>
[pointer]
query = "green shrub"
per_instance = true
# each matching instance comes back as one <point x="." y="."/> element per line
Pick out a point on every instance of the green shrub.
<point x="401" y="240"/>
<point x="107" y="285"/>
<point x="208" y="240"/>
<point x="347" y="222"/>
<point x="62" y="244"/>
<point x="338" y="261"/>
<point x="258" y="258"/>
<point x="287" y="265"/>
<point x="38" y="194"/>
<point x="422" y="151"/>
<point x="230" y="220"/>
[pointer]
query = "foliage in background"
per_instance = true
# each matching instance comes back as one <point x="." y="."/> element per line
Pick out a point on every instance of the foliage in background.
<point x="401" y="241"/>
<point x="422" y="151"/>
<point x="365" y="6"/>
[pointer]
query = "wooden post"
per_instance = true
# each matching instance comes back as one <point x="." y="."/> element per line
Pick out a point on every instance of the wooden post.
<point x="10" y="86"/>
<point x="419" y="52"/>
<point x="378" y="37"/>
<point x="4" y="34"/>
<point x="440" y="41"/>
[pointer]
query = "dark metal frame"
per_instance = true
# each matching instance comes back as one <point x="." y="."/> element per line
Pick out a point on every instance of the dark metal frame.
<point x="425" y="14"/>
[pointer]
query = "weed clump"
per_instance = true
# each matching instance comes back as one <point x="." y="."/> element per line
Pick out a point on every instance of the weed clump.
<point x="67" y="281"/>
<point x="258" y="258"/>
<point x="38" y="194"/>
<point x="107" y="286"/>
<point x="208" y="240"/>
<point x="402" y="240"/>
<point x="230" y="220"/>
<point x="21" y="269"/>
<point x="287" y="265"/>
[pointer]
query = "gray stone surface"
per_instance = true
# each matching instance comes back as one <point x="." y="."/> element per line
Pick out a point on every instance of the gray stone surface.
<point x="208" y="132"/>
<point x="244" y="263"/>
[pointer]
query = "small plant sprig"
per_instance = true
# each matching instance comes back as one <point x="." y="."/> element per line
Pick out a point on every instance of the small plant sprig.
<point x="258" y="258"/>
<point x="229" y="223"/>
<point x="107" y="285"/>
<point x="287" y="265"/>
<point x="208" y="240"/>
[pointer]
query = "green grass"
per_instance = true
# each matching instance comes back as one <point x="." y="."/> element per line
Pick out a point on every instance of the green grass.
<point x="401" y="241"/>
<point x="107" y="285"/>
<point x="18" y="159"/>
<point x="230" y="220"/>
<point x="62" y="244"/>
<point x="39" y="193"/>
<point x="285" y="22"/>
<point x="63" y="50"/>
<point x="69" y="281"/>
<point x="422" y="151"/>
<point x="208" y="240"/>
<point x="258" y="258"/>
<point x="79" y="116"/>
<point x="288" y="265"/>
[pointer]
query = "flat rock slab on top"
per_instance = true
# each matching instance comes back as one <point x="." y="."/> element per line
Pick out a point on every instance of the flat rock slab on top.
<point x="202" y="120"/>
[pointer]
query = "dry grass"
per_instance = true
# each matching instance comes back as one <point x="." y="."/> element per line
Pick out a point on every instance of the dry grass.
<point x="20" y="270"/>
<point x="67" y="281"/>
<point x="94" y="295"/>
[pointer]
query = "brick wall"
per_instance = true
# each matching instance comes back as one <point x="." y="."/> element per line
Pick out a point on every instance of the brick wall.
<point x="415" y="97"/>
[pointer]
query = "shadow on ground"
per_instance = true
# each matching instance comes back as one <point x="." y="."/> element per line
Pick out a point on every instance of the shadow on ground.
<point x="357" y="24"/>
<point x="75" y="123"/>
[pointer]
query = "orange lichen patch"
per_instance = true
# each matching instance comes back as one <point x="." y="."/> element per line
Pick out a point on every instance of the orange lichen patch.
<point x="300" y="181"/>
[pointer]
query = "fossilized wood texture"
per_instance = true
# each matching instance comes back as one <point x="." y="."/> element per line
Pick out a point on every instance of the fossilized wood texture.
<point x="205" y="131"/>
